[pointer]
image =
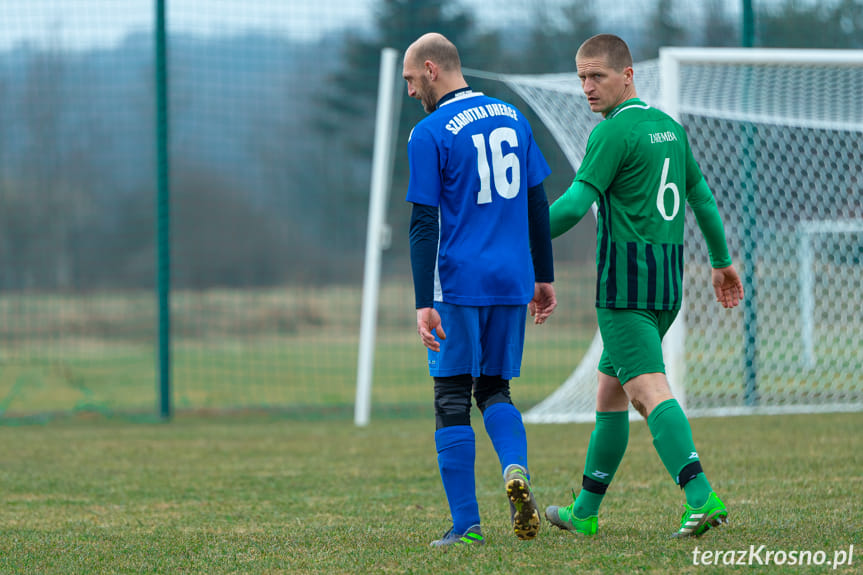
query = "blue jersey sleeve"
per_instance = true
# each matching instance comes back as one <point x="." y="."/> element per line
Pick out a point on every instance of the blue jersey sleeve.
<point x="538" y="168"/>
<point x="424" y="185"/>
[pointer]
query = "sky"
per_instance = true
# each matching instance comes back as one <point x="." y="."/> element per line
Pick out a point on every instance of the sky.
<point x="85" y="24"/>
<point x="102" y="23"/>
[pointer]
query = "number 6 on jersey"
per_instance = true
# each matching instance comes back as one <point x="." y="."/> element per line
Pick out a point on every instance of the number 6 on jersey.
<point x="664" y="184"/>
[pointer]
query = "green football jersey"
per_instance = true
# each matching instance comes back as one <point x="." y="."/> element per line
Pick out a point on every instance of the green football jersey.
<point x="640" y="161"/>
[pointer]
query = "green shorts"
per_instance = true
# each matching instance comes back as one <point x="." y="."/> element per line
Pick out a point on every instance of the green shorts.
<point x="632" y="341"/>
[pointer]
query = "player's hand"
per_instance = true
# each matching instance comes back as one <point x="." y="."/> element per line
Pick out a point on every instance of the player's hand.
<point x="543" y="303"/>
<point x="428" y="321"/>
<point x="727" y="286"/>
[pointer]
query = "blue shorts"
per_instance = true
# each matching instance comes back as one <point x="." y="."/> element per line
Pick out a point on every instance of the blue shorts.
<point x="486" y="340"/>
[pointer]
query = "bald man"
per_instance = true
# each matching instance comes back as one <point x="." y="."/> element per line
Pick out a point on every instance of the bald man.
<point x="481" y="258"/>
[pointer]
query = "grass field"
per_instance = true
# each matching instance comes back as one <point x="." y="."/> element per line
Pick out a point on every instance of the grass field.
<point x="296" y="348"/>
<point x="251" y="495"/>
<point x="280" y="348"/>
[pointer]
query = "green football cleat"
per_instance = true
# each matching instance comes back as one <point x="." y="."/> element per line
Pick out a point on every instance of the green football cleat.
<point x="522" y="505"/>
<point x="696" y="522"/>
<point x="473" y="536"/>
<point x="564" y="518"/>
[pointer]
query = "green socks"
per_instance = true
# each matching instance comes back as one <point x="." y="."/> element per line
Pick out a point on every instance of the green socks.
<point x="604" y="453"/>
<point x="672" y="437"/>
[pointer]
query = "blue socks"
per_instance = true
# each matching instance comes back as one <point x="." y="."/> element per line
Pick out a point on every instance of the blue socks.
<point x="456" y="454"/>
<point x="505" y="428"/>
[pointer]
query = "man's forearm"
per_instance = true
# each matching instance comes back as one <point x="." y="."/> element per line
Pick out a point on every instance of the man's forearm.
<point x="424" y="232"/>
<point x="540" y="241"/>
<point x="569" y="208"/>
<point x="706" y="212"/>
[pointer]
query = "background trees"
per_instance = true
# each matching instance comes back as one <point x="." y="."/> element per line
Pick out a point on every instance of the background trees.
<point x="271" y="136"/>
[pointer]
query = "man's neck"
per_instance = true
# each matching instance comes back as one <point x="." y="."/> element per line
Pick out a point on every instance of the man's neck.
<point x="451" y="95"/>
<point x="631" y="95"/>
<point x="445" y="86"/>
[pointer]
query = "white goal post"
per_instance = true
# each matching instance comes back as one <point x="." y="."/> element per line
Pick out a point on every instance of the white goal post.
<point x="378" y="231"/>
<point x="808" y="232"/>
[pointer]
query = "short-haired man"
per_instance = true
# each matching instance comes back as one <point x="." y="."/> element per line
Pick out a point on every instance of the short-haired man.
<point x="639" y="169"/>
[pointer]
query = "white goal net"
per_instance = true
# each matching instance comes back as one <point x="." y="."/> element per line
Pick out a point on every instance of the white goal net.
<point x="779" y="137"/>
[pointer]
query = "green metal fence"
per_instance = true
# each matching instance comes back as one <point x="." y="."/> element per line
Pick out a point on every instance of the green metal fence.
<point x="184" y="191"/>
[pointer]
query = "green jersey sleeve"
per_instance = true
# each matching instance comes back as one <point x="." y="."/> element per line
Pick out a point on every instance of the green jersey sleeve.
<point x="569" y="208"/>
<point x="703" y="205"/>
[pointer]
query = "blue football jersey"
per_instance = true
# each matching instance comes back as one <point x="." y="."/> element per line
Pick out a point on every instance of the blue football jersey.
<point x="474" y="158"/>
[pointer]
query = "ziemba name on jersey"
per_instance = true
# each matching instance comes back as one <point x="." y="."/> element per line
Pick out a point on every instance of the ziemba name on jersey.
<point x="469" y="115"/>
<point x="662" y="137"/>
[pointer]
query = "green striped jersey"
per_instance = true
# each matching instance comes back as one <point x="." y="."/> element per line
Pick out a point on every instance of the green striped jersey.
<point x="640" y="161"/>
